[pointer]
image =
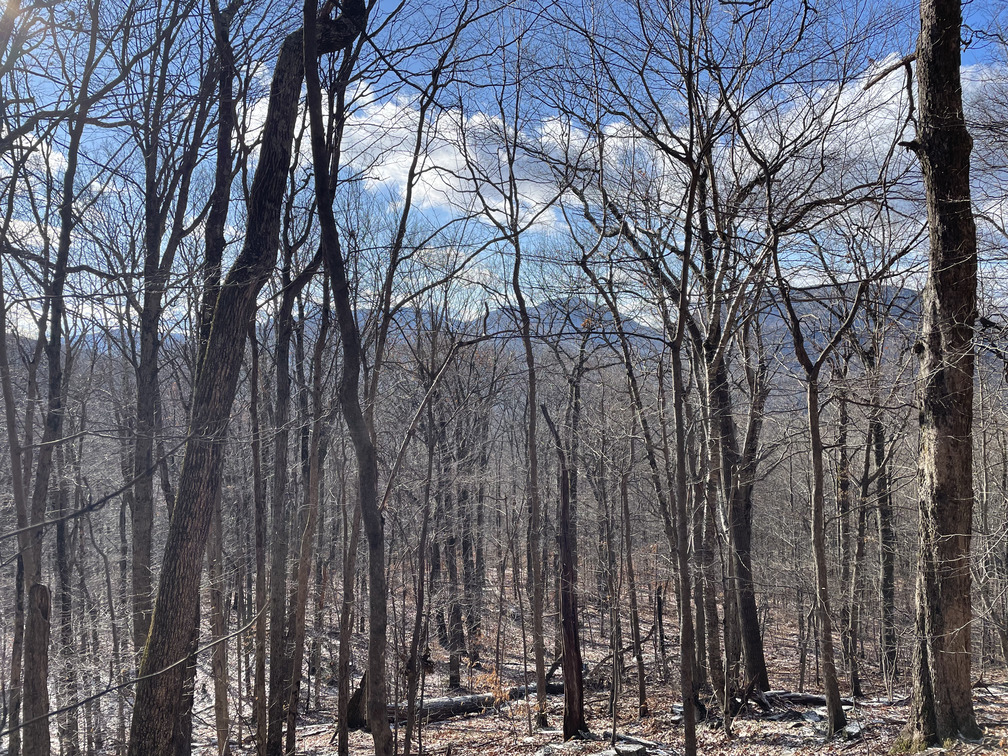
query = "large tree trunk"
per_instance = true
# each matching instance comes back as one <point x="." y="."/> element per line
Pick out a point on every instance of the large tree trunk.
<point x="159" y="690"/>
<point x="942" y="698"/>
<point x="737" y="471"/>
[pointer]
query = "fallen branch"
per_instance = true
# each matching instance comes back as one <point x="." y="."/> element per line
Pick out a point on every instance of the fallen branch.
<point x="607" y="659"/>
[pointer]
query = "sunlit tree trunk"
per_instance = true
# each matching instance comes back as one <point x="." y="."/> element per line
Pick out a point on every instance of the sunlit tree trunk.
<point x="942" y="702"/>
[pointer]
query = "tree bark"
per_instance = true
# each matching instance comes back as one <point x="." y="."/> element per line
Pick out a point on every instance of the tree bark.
<point x="36" y="700"/>
<point x="942" y="703"/>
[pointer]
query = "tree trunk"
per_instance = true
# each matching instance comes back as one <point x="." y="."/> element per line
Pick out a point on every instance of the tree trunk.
<point x="259" y="494"/>
<point x="942" y="703"/>
<point x="17" y="648"/>
<point x="218" y="631"/>
<point x="834" y="707"/>
<point x="573" y="673"/>
<point x="737" y="471"/>
<point x="351" y="535"/>
<point x="537" y="574"/>
<point x="687" y="639"/>
<point x="843" y="508"/>
<point x="856" y="576"/>
<point x="642" y="707"/>
<point x="709" y="569"/>
<point x="158" y="696"/>
<point x="887" y="550"/>
<point x="182" y="732"/>
<point x="316" y="458"/>
<point x="36" y="696"/>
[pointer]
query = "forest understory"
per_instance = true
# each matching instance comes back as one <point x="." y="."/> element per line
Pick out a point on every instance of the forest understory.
<point x="876" y="721"/>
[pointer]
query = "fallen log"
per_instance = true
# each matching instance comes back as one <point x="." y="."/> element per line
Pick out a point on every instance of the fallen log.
<point x="446" y="707"/>
<point x="800" y="699"/>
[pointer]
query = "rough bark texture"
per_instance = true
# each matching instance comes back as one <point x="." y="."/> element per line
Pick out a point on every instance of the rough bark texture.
<point x="36" y="697"/>
<point x="942" y="703"/>
<point x="159" y="691"/>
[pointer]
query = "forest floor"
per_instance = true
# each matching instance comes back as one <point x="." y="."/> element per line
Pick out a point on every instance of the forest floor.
<point x="788" y="730"/>
<point x="876" y="719"/>
<point x="505" y="731"/>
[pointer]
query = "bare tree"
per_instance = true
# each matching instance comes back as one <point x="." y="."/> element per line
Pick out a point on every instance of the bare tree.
<point x="942" y="704"/>
<point x="159" y="689"/>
